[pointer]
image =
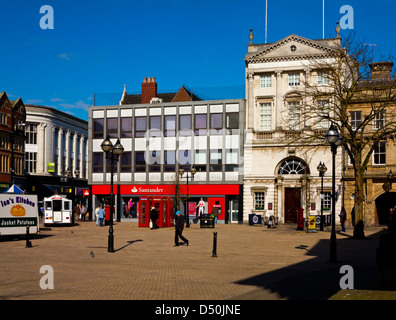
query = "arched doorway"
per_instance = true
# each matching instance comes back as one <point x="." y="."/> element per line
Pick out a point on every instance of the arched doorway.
<point x="383" y="204"/>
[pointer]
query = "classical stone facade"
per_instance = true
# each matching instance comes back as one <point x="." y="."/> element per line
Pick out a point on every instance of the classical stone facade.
<point x="280" y="172"/>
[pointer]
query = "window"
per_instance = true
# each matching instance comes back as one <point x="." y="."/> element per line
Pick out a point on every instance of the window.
<point x="379" y="154"/>
<point x="126" y="127"/>
<point x="231" y="160"/>
<point x="215" y="160"/>
<point x="259" y="200"/>
<point x="294" y="79"/>
<point x="31" y="161"/>
<point x="379" y="120"/>
<point x="140" y="127"/>
<point x="31" y="133"/>
<point x="200" y="160"/>
<point x="265" y="116"/>
<point x="154" y="161"/>
<point x="126" y="162"/>
<point x="292" y="166"/>
<point x="356" y="119"/>
<point x="140" y="162"/>
<point x="155" y="126"/>
<point x="294" y="115"/>
<point x="200" y="124"/>
<point x="265" y="81"/>
<point x="185" y="125"/>
<point x="97" y="165"/>
<point x="216" y="123"/>
<point x="170" y="126"/>
<point x="170" y="161"/>
<point x="323" y="113"/>
<point x="323" y="78"/>
<point x="112" y="127"/>
<point x="326" y="201"/>
<point x="184" y="159"/>
<point x="232" y="120"/>
<point x="98" y="128"/>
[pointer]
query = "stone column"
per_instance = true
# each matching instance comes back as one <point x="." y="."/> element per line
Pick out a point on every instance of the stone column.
<point x="74" y="154"/>
<point x="60" y="151"/>
<point x="81" y="156"/>
<point x="278" y="100"/>
<point x="41" y="141"/>
<point x="67" y="150"/>
<point x="250" y="106"/>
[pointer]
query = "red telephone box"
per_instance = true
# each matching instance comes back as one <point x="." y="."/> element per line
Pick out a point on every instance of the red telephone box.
<point x="164" y="207"/>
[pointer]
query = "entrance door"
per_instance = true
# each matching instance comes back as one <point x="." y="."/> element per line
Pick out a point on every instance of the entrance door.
<point x="234" y="211"/>
<point x="292" y="204"/>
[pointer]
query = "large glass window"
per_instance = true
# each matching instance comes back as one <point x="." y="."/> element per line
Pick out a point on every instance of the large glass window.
<point x="140" y="127"/>
<point x="216" y="123"/>
<point x="232" y="120"/>
<point x="126" y="162"/>
<point x="170" y="160"/>
<point x="140" y="162"/>
<point x="97" y="164"/>
<point x="294" y="79"/>
<point x="200" y="160"/>
<point x="200" y="124"/>
<point x="215" y="160"/>
<point x="265" y="81"/>
<point x="185" y="159"/>
<point x="185" y="125"/>
<point x="231" y="160"/>
<point x="98" y="128"/>
<point x="155" y="126"/>
<point x="323" y="113"/>
<point x="31" y="133"/>
<point x="323" y="78"/>
<point x="379" y="120"/>
<point x="154" y="161"/>
<point x="31" y="161"/>
<point x="170" y="126"/>
<point x="112" y="127"/>
<point x="126" y="127"/>
<point x="294" y="115"/>
<point x="259" y="200"/>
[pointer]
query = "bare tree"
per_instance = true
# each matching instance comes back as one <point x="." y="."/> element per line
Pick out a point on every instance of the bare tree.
<point x="347" y="80"/>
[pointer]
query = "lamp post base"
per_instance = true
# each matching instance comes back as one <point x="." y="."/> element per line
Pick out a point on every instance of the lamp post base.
<point x="110" y="246"/>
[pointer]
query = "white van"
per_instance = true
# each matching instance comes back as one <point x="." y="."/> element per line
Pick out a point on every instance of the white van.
<point x="58" y="210"/>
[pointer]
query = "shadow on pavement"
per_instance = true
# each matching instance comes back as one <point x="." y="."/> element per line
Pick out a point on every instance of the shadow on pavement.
<point x="317" y="278"/>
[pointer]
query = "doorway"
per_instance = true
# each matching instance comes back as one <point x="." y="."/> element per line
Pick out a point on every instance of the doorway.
<point x="234" y="212"/>
<point x="292" y="204"/>
<point x="383" y="204"/>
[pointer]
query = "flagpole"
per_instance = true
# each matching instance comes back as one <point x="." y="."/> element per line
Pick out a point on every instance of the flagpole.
<point x="266" y="9"/>
<point x="323" y="18"/>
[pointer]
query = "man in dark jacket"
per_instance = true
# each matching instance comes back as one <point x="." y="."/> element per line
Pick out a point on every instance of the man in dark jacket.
<point x="179" y="225"/>
<point x="154" y="217"/>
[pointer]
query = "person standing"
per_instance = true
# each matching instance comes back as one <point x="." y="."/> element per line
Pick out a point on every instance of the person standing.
<point x="154" y="217"/>
<point x="201" y="207"/>
<point x="215" y="212"/>
<point x="96" y="214"/>
<point x="342" y="218"/>
<point x="179" y="225"/>
<point x="83" y="211"/>
<point x="101" y="215"/>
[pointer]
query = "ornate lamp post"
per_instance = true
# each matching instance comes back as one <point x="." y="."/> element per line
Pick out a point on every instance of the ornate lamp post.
<point x="322" y="170"/>
<point x="390" y="178"/>
<point x="193" y="171"/>
<point x="333" y="138"/>
<point x="113" y="152"/>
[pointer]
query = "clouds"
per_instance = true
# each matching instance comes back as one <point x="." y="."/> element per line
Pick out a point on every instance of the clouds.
<point x="65" y="56"/>
<point x="80" y="105"/>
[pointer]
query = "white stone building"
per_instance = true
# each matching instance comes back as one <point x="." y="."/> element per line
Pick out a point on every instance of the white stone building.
<point x="280" y="174"/>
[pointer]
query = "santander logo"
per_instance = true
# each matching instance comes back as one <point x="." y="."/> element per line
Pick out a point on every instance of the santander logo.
<point x="134" y="190"/>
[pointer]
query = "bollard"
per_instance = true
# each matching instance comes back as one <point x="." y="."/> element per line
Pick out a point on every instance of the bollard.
<point x="214" y="253"/>
<point x="28" y="243"/>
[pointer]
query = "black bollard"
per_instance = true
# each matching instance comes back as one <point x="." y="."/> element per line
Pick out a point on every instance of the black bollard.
<point x="214" y="253"/>
<point x="28" y="243"/>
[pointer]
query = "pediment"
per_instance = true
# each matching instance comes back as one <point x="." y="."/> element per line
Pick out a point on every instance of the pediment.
<point x="292" y="47"/>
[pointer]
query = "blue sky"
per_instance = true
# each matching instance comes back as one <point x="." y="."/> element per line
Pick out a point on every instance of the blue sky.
<point x="97" y="46"/>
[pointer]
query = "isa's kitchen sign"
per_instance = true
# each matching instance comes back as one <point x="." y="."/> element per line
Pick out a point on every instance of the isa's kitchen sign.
<point x="18" y="211"/>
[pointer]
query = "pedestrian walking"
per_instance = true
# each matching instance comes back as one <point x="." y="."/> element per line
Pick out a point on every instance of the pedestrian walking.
<point x="130" y="208"/>
<point x="342" y="216"/>
<point x="179" y="225"/>
<point x="201" y="207"/>
<point x="78" y="212"/>
<point x="154" y="217"/>
<point x="101" y="215"/>
<point x="83" y="211"/>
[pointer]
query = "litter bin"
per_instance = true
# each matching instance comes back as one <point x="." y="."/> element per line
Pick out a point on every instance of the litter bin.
<point x="207" y="221"/>
<point x="254" y="219"/>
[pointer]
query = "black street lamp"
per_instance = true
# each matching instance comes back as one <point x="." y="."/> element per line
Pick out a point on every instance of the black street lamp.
<point x="64" y="178"/>
<point x="333" y="138"/>
<point x="193" y="171"/>
<point x="390" y="178"/>
<point x="322" y="170"/>
<point x="113" y="152"/>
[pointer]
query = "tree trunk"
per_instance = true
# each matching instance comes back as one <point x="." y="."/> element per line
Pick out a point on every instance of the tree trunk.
<point x="358" y="232"/>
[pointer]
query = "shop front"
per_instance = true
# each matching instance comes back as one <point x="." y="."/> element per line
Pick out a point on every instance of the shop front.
<point x="133" y="202"/>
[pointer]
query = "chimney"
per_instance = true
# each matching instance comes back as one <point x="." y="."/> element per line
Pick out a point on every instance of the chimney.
<point x="149" y="89"/>
<point x="381" y="70"/>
